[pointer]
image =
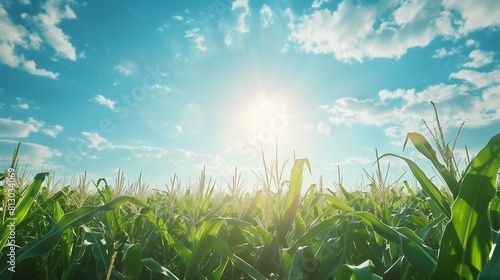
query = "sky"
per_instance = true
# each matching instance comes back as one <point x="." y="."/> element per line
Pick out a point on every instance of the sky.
<point x="169" y="87"/>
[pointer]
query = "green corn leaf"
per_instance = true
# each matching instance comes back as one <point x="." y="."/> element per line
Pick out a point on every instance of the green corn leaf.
<point x="132" y="264"/>
<point x="428" y="187"/>
<point x="292" y="199"/>
<point x="363" y="271"/>
<point x="423" y="146"/>
<point x="22" y="206"/>
<point x="295" y="270"/>
<point x="217" y="273"/>
<point x="98" y="250"/>
<point x="45" y="244"/>
<point x="495" y="213"/>
<point x="223" y="249"/>
<point x="492" y="269"/>
<point x="154" y="266"/>
<point x="424" y="233"/>
<point x="412" y="247"/>
<point x="466" y="242"/>
<point x="332" y="255"/>
<point x="337" y="203"/>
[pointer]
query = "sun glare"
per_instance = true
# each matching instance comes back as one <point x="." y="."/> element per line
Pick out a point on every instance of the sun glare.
<point x="263" y="114"/>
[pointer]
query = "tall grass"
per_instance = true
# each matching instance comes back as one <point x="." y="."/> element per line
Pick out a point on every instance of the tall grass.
<point x="281" y="230"/>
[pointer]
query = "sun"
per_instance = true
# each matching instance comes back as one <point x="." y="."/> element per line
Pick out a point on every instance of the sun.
<point x="265" y="113"/>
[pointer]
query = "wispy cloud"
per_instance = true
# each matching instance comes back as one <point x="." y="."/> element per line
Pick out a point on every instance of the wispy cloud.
<point x="478" y="79"/>
<point x="479" y="59"/>
<point x="317" y="3"/>
<point x="442" y="52"/>
<point x="96" y="141"/>
<point x="162" y="88"/>
<point x="266" y="16"/>
<point x="197" y="39"/>
<point x="20" y="104"/>
<point x="99" y="143"/>
<point x="101" y="100"/>
<point x="22" y="129"/>
<point x="178" y="18"/>
<point x="53" y="130"/>
<point x="23" y="106"/>
<point x="122" y="70"/>
<point x="323" y="128"/>
<point x="242" y="26"/>
<point x="53" y="35"/>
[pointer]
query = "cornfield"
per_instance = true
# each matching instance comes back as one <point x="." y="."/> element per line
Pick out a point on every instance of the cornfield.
<point x="284" y="230"/>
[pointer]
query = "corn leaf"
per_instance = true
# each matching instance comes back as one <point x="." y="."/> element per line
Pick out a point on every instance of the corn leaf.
<point x="154" y="266"/>
<point x="22" y="206"/>
<point x="132" y="264"/>
<point x="45" y="244"/>
<point x="428" y="187"/>
<point x="492" y="269"/>
<point x="466" y="242"/>
<point x="423" y="146"/>
<point x="362" y="271"/>
<point x="223" y="249"/>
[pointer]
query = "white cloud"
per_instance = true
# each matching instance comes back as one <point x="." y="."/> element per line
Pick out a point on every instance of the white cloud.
<point x="349" y="111"/>
<point x="163" y="88"/>
<point x="35" y="156"/>
<point x="323" y="128"/>
<point x="99" y="143"/>
<point x="178" y="18"/>
<point x="266" y="16"/>
<point x="479" y="59"/>
<point x="479" y="79"/>
<point x="240" y="4"/>
<point x="199" y="43"/>
<point x="357" y="31"/>
<point x="285" y="48"/>
<point x="191" y="33"/>
<point x="471" y="43"/>
<point x="53" y="131"/>
<point x="144" y="151"/>
<point x="22" y="129"/>
<point x="442" y="52"/>
<point x="11" y="37"/>
<point x="228" y="39"/>
<point x="16" y="128"/>
<point x="101" y="100"/>
<point x="96" y="141"/>
<point x="317" y="3"/>
<point x="198" y="39"/>
<point x="115" y="82"/>
<point x="401" y="111"/>
<point x="476" y="14"/>
<point x="242" y="25"/>
<point x="20" y="104"/>
<point x="196" y="160"/>
<point x="122" y="69"/>
<point x="30" y="66"/>
<point x="52" y="34"/>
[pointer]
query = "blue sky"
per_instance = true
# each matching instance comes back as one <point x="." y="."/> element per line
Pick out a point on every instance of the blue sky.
<point x="167" y="87"/>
